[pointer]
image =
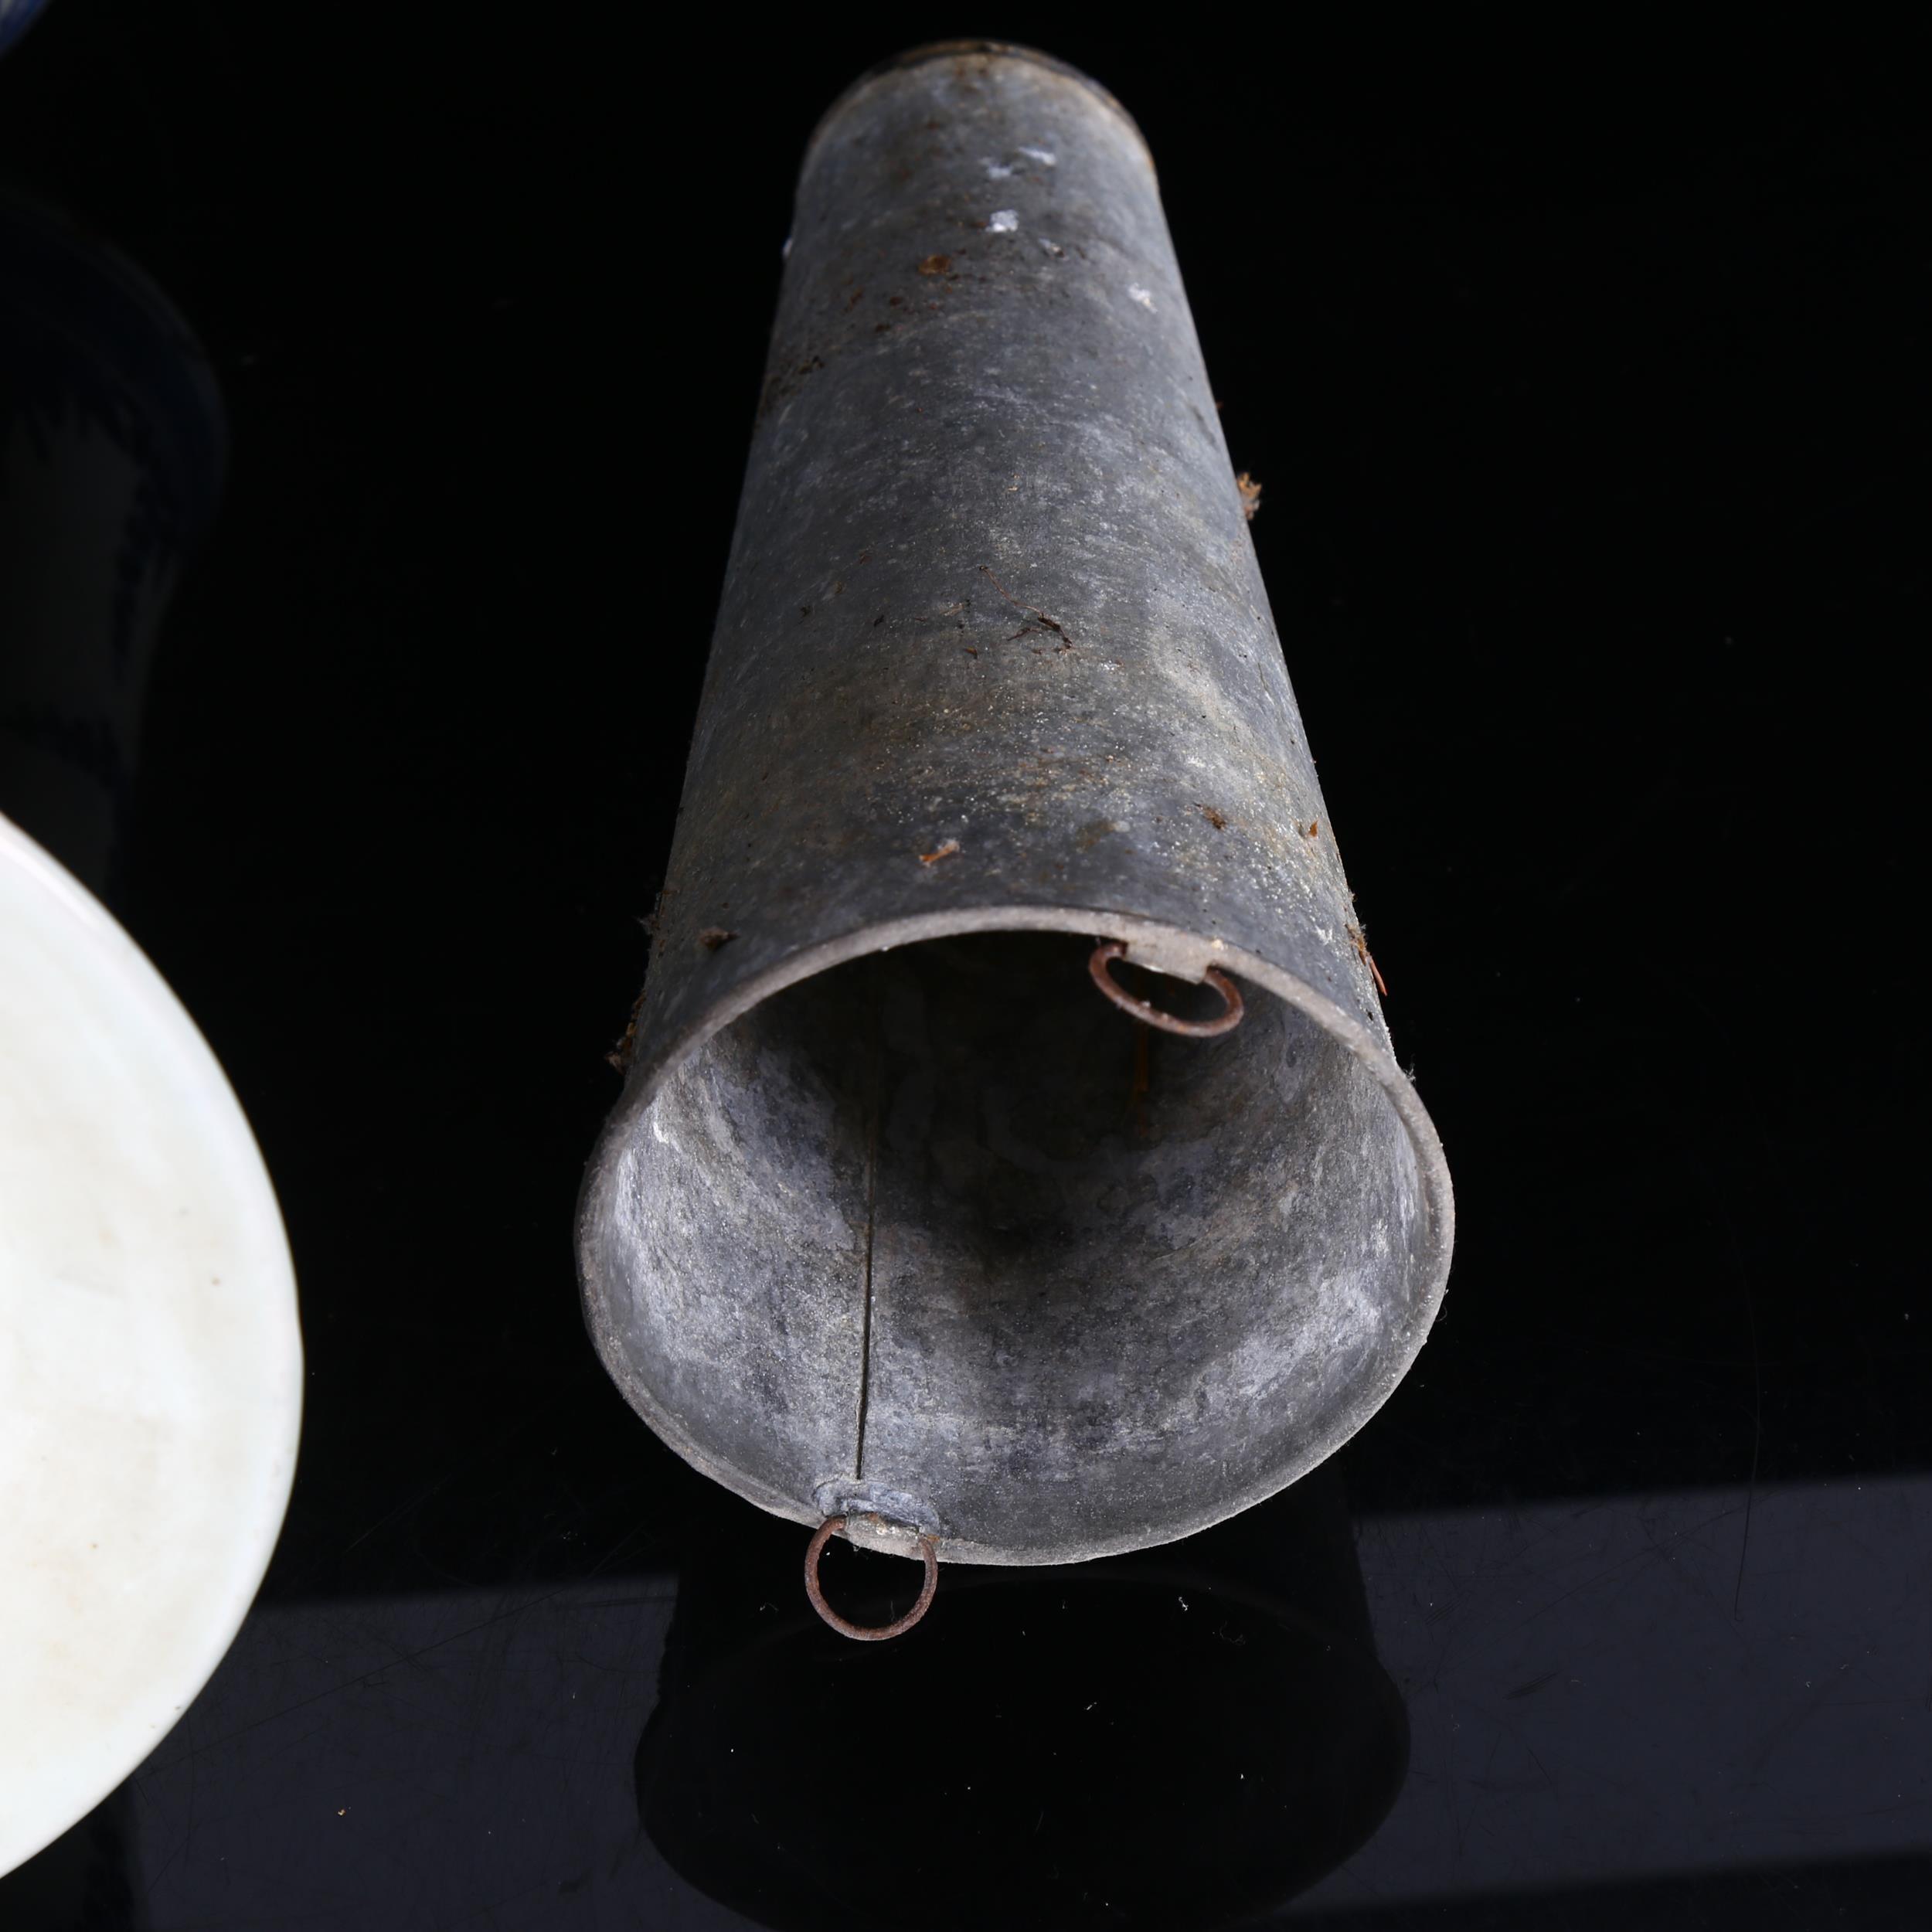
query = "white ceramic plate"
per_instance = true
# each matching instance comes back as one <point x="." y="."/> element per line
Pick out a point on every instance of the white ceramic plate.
<point x="151" y="1363"/>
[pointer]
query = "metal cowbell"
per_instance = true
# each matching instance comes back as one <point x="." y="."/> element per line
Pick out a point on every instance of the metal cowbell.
<point x="897" y="1221"/>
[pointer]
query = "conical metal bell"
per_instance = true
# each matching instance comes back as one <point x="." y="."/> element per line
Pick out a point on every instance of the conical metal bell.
<point x="899" y="1220"/>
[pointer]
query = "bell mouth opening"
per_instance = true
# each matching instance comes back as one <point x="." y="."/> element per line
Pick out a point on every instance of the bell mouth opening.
<point x="942" y="1225"/>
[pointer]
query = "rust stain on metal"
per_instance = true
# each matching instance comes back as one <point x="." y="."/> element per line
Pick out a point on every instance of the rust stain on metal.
<point x="1044" y="622"/>
<point x="620" y="1056"/>
<point x="1358" y="939"/>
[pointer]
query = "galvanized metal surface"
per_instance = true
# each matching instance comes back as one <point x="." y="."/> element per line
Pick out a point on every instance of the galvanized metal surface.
<point x="896" y="1218"/>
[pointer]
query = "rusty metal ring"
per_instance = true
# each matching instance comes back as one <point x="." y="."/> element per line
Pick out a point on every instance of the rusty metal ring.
<point x="1109" y="949"/>
<point x="866" y="1632"/>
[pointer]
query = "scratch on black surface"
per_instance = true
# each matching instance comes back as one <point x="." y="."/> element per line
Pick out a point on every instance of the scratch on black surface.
<point x="1782" y="1730"/>
<point x="497" y="1905"/>
<point x="408" y="1656"/>
<point x="402" y="1508"/>
<point x="1695" y="1158"/>
<point x="1654" y="1552"/>
<point x="1535" y="1684"/>
<point x="1757" y="1434"/>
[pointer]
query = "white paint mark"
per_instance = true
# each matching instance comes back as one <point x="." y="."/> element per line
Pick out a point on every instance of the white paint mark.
<point x="1045" y="156"/>
<point x="997" y="170"/>
<point x="1143" y="295"/>
<point x="1004" y="221"/>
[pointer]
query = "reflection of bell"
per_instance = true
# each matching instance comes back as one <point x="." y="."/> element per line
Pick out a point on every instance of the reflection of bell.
<point x="897" y="1218"/>
<point x="113" y="442"/>
<point x="1178" y="1740"/>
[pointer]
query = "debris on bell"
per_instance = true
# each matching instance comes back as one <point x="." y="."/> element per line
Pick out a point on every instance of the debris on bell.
<point x="1011" y="1161"/>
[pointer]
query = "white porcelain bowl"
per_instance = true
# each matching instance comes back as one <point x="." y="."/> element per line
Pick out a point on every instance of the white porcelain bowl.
<point x="151" y="1361"/>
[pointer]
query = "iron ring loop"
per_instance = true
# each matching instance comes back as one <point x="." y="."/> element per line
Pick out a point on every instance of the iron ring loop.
<point x="866" y="1632"/>
<point x="1109" y="949"/>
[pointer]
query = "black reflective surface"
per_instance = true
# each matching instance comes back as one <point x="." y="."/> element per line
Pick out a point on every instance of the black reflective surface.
<point x="1579" y="391"/>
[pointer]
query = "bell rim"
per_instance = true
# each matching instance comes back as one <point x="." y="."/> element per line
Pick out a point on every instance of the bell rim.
<point x="660" y="1060"/>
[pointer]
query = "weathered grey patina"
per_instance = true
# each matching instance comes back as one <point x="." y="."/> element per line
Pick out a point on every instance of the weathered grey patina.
<point x="896" y="1214"/>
